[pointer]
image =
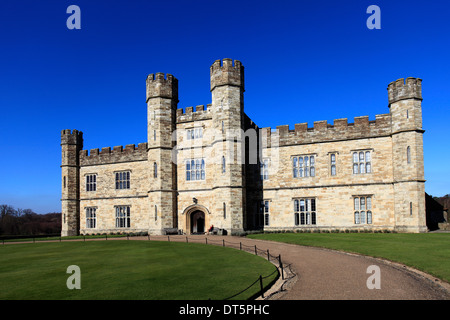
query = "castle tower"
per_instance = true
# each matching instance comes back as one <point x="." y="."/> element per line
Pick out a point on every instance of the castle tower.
<point x="162" y="100"/>
<point x="71" y="144"/>
<point x="227" y="89"/>
<point x="405" y="104"/>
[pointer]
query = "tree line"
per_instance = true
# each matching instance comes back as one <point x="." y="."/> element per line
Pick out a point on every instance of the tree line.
<point x="26" y="222"/>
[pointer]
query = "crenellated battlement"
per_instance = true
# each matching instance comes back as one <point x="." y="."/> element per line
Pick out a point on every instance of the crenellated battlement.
<point x="73" y="137"/>
<point x="322" y="131"/>
<point x="162" y="86"/>
<point x="200" y="113"/>
<point x="401" y="89"/>
<point x="227" y="73"/>
<point x="117" y="154"/>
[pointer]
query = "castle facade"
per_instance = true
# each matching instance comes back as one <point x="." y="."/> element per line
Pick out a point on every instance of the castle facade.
<point x="213" y="166"/>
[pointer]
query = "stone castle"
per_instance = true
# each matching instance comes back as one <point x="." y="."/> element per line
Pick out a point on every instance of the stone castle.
<point x="213" y="166"/>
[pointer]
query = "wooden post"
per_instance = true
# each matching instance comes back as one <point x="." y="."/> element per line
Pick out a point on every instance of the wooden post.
<point x="281" y="267"/>
<point x="261" y="285"/>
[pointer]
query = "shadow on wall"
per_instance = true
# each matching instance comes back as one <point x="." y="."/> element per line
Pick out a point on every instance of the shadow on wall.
<point x="435" y="213"/>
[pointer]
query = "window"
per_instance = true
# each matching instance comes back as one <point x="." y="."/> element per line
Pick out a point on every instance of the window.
<point x="224" y="210"/>
<point x="333" y="164"/>
<point x="305" y="211"/>
<point x="195" y="169"/>
<point x="303" y="166"/>
<point x="410" y="208"/>
<point x="91" y="218"/>
<point x="122" y="216"/>
<point x="408" y="154"/>
<point x="155" y="170"/>
<point x="264" y="168"/>
<point x="123" y="180"/>
<point x="363" y="209"/>
<point x="64" y="181"/>
<point x="195" y="133"/>
<point x="224" y="164"/>
<point x="91" y="182"/>
<point x="362" y="162"/>
<point x="266" y="212"/>
<point x="156" y="212"/>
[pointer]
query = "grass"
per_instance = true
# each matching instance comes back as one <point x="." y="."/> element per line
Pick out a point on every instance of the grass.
<point x="137" y="270"/>
<point x="428" y="252"/>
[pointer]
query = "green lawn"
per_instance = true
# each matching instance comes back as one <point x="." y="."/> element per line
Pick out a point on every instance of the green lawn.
<point x="428" y="252"/>
<point x="129" y="270"/>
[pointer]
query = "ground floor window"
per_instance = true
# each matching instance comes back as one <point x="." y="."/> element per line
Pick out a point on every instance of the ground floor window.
<point x="305" y="211"/>
<point x="122" y="216"/>
<point x="363" y="209"/>
<point x="265" y="206"/>
<point x="91" y="218"/>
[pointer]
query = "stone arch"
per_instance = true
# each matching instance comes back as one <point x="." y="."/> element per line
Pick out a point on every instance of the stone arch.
<point x="192" y="211"/>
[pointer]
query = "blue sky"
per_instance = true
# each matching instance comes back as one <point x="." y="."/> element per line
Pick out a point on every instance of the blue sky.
<point x="304" y="61"/>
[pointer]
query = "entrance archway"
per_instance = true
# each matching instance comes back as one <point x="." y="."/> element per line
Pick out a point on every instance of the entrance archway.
<point x="197" y="222"/>
<point x="195" y="219"/>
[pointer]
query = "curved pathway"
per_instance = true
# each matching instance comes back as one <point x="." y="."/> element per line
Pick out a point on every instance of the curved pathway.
<point x="323" y="274"/>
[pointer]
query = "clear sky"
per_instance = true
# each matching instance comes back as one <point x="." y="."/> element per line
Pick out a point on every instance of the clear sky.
<point x="304" y="61"/>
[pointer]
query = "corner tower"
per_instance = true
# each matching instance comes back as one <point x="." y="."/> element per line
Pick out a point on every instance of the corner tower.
<point x="162" y="100"/>
<point x="405" y="104"/>
<point x="71" y="144"/>
<point x="227" y="90"/>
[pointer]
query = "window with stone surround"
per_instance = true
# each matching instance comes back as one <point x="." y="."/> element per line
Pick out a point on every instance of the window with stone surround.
<point x="304" y="166"/>
<point x="91" y="217"/>
<point x="195" y="169"/>
<point x="333" y="164"/>
<point x="264" y="169"/>
<point x="265" y="212"/>
<point x="363" y="209"/>
<point x="305" y="211"/>
<point x="123" y="180"/>
<point x="362" y="162"/>
<point x="123" y="216"/>
<point x="195" y="133"/>
<point x="91" y="182"/>
<point x="224" y="164"/>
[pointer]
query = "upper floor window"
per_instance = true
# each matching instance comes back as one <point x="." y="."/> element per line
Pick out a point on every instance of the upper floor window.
<point x="362" y="162"/>
<point x="224" y="164"/>
<point x="195" y="133"/>
<point x="264" y="169"/>
<point x="195" y="169"/>
<point x="303" y="166"/>
<point x="155" y="170"/>
<point x="333" y="164"/>
<point x="363" y="209"/>
<point x="123" y="180"/>
<point x="91" y="182"/>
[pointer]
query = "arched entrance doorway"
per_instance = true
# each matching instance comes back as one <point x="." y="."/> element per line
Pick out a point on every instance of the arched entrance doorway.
<point x="195" y="218"/>
<point x="197" y="222"/>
